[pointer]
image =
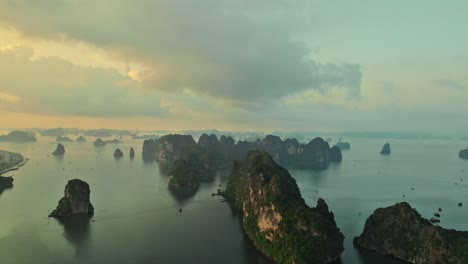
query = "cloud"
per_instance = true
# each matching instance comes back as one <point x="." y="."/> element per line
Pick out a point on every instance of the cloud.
<point x="54" y="86"/>
<point x="231" y="50"/>
<point x="451" y="84"/>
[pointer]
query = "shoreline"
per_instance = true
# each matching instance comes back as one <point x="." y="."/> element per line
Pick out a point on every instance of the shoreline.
<point x="16" y="166"/>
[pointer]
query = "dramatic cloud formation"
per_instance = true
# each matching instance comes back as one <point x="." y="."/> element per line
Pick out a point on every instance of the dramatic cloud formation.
<point x="238" y="65"/>
<point x="238" y="51"/>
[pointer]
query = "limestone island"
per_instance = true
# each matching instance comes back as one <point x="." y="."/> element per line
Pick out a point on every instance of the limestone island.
<point x="99" y="143"/>
<point x="463" y="154"/>
<point x="59" y="151"/>
<point x="386" y="149"/>
<point x="63" y="139"/>
<point x="18" y="136"/>
<point x="80" y="139"/>
<point x="275" y="216"/>
<point x="76" y="200"/>
<point x="343" y="145"/>
<point x="400" y="231"/>
<point x="118" y="153"/>
<point x="185" y="175"/>
<point x="220" y="154"/>
<point x="132" y="153"/>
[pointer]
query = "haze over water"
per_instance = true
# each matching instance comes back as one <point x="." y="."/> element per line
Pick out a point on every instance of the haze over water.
<point x="137" y="220"/>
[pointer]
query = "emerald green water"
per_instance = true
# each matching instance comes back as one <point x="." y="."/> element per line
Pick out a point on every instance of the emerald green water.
<point x="137" y="220"/>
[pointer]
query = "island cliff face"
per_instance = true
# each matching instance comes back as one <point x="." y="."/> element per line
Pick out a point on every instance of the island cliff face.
<point x="386" y="149"/>
<point x="463" y="154"/>
<point x="59" y="151"/>
<point x="173" y="147"/>
<point x="149" y="150"/>
<point x="401" y="232"/>
<point x="335" y="154"/>
<point x="275" y="216"/>
<point x="76" y="200"/>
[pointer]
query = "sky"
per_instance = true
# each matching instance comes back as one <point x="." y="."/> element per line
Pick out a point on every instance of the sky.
<point x="300" y="65"/>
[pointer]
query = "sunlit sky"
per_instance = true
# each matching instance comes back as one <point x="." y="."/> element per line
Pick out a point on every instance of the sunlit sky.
<point x="303" y="65"/>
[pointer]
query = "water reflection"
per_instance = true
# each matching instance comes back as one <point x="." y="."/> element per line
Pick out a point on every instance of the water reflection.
<point x="369" y="257"/>
<point x="182" y="197"/>
<point x="77" y="232"/>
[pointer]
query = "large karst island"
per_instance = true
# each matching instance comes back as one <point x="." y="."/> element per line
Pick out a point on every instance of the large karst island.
<point x="275" y="216"/>
<point x="220" y="154"/>
<point x="18" y="136"/>
<point x="75" y="201"/>
<point x="400" y="231"/>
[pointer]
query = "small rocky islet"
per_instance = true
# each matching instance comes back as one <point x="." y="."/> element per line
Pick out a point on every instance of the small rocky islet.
<point x="76" y="200"/>
<point x="386" y="149"/>
<point x="463" y="154"/>
<point x="118" y="153"/>
<point x="59" y="150"/>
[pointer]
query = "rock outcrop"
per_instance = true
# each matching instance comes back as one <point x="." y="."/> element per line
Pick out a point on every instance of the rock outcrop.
<point x="386" y="149"/>
<point x="463" y="154"/>
<point x="335" y="154"/>
<point x="275" y="216"/>
<point x="6" y="182"/>
<point x="185" y="174"/>
<point x="173" y="147"/>
<point x="343" y="145"/>
<point x="76" y="200"/>
<point x="59" y="151"/>
<point x="80" y="139"/>
<point x="18" y="136"/>
<point x="314" y="155"/>
<point x="149" y="150"/>
<point x="99" y="143"/>
<point x="401" y="232"/>
<point x="132" y="153"/>
<point x="63" y="139"/>
<point x="118" y="153"/>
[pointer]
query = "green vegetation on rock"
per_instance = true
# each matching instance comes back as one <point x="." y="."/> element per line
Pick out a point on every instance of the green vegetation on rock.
<point x="276" y="217"/>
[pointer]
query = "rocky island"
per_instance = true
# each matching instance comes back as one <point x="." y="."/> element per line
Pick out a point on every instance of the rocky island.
<point x="59" y="151"/>
<point x="63" y="139"/>
<point x="18" y="136"/>
<point x="275" y="216"/>
<point x="335" y="154"/>
<point x="76" y="200"/>
<point x="185" y="174"/>
<point x="149" y="150"/>
<point x="80" y="139"/>
<point x="386" y="149"/>
<point x="401" y="232"/>
<point x="9" y="161"/>
<point x="99" y="143"/>
<point x="118" y="153"/>
<point x="343" y="145"/>
<point x="132" y="153"/>
<point x="463" y="154"/>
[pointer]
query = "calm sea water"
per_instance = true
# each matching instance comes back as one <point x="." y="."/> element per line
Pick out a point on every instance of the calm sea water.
<point x="137" y="220"/>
